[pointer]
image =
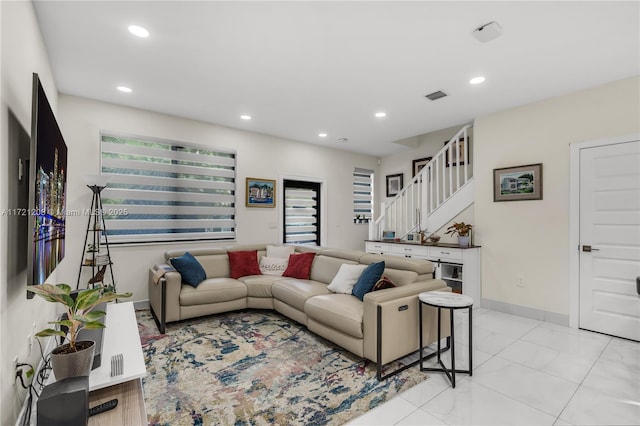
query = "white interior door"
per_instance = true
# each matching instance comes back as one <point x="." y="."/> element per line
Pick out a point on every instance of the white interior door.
<point x="610" y="239"/>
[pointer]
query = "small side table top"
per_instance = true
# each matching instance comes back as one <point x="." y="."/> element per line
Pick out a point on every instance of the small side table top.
<point x="445" y="300"/>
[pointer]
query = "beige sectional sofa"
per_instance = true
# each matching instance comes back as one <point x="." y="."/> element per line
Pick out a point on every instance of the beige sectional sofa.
<point x="382" y="328"/>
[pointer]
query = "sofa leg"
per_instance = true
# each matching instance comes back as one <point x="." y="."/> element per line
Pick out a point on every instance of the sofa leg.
<point x="379" y="364"/>
<point x="162" y="323"/>
<point x="159" y="324"/>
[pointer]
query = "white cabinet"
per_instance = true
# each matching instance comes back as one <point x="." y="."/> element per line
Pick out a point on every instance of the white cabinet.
<point x="377" y="247"/>
<point x="458" y="267"/>
<point x="410" y="250"/>
<point x="446" y="254"/>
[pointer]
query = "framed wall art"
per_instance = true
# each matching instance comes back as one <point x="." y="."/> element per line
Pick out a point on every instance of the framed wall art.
<point x="394" y="184"/>
<point x="260" y="192"/>
<point x="419" y="164"/>
<point x="460" y="156"/>
<point x="518" y="183"/>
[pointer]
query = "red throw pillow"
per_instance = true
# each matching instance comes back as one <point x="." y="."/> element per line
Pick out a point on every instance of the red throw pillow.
<point x="243" y="263"/>
<point x="299" y="266"/>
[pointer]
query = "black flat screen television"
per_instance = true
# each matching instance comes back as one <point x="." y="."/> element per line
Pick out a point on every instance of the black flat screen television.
<point x="47" y="191"/>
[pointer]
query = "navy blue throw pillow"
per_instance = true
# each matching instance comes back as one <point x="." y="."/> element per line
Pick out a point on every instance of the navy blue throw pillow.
<point x="368" y="279"/>
<point x="191" y="270"/>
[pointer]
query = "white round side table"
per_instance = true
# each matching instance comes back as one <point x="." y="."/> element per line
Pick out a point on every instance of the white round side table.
<point x="451" y="301"/>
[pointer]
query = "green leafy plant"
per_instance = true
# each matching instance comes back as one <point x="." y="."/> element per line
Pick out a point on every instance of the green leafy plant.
<point x="460" y="228"/>
<point x="80" y="313"/>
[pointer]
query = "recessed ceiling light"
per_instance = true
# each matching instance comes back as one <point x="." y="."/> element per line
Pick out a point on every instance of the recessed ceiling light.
<point x="125" y="89"/>
<point x="381" y="114"/>
<point x="322" y="135"/>
<point x="477" y="80"/>
<point x="138" y="31"/>
<point x="245" y="117"/>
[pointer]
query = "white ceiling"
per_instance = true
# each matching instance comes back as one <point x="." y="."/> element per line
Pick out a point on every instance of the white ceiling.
<point x="300" y="68"/>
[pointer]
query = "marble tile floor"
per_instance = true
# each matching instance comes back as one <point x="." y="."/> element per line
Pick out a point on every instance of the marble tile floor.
<point x="525" y="372"/>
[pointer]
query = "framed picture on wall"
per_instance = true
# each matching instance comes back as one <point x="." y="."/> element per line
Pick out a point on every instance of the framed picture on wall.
<point x="518" y="183"/>
<point x="394" y="184"/>
<point x="460" y="155"/>
<point x="260" y="192"/>
<point x="419" y="164"/>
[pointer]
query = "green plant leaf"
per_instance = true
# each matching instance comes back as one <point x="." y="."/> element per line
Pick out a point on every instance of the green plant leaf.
<point x="87" y="298"/>
<point x="64" y="287"/>
<point x="93" y="324"/>
<point x="94" y="315"/>
<point x="66" y="323"/>
<point x="50" y="332"/>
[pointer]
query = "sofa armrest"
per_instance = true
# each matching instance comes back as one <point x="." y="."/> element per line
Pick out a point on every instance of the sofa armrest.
<point x="164" y="296"/>
<point x="400" y="321"/>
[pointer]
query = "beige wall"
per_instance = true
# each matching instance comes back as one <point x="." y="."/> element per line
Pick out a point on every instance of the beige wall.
<point x="81" y="121"/>
<point x="23" y="53"/>
<point x="530" y="239"/>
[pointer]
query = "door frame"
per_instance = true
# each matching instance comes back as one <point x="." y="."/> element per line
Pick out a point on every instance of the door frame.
<point x="574" y="217"/>
<point x="323" y="204"/>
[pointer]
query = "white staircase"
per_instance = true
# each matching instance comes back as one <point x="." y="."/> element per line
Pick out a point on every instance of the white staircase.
<point x="434" y="196"/>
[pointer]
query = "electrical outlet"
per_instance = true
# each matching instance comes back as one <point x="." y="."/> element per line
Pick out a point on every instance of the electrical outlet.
<point x="520" y="282"/>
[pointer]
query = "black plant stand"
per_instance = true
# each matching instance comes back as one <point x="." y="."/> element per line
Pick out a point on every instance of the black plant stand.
<point x="96" y="227"/>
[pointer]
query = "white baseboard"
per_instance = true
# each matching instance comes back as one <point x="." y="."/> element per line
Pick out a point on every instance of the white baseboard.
<point x="524" y="311"/>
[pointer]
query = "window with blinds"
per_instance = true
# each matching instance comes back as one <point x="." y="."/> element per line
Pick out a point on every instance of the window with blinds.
<point x="301" y="212"/>
<point x="362" y="194"/>
<point x="162" y="190"/>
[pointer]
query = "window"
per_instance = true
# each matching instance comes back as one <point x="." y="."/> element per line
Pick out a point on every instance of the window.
<point x="362" y="193"/>
<point x="301" y="212"/>
<point x="166" y="191"/>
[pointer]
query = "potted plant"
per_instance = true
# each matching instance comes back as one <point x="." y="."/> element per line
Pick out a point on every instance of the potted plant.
<point x="76" y="357"/>
<point x="462" y="230"/>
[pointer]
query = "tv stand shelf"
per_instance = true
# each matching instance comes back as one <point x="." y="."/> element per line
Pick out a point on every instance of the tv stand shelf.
<point x="121" y="336"/>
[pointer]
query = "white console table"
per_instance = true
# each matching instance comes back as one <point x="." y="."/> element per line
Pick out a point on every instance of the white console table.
<point x="458" y="266"/>
<point x="120" y="337"/>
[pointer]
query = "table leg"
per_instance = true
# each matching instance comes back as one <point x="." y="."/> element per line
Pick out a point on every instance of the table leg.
<point x="438" y="356"/>
<point x="470" y="340"/>
<point x="420" y="328"/>
<point x="453" y="350"/>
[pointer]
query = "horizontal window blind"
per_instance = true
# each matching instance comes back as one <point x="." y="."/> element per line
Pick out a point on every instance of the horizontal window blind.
<point x="301" y="214"/>
<point x="166" y="191"/>
<point x="362" y="193"/>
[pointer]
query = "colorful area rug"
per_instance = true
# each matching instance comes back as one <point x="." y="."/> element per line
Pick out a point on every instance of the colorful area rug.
<point x="256" y="368"/>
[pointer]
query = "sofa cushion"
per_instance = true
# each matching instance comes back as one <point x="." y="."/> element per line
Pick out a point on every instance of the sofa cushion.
<point x="273" y="265"/>
<point x="340" y="311"/>
<point x="383" y="283"/>
<point x="295" y="292"/>
<point x="191" y="270"/>
<point x="243" y="263"/>
<point x="368" y="279"/>
<point x="419" y="266"/>
<point x="325" y="268"/>
<point x="216" y="265"/>
<point x="400" y="277"/>
<point x="299" y="266"/>
<point x="213" y="290"/>
<point x="282" y="252"/>
<point x="259" y="286"/>
<point x="346" y="278"/>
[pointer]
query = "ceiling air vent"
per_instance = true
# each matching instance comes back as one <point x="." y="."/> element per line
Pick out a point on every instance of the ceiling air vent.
<point x="436" y="95"/>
